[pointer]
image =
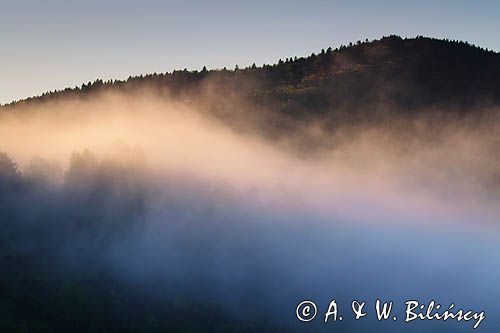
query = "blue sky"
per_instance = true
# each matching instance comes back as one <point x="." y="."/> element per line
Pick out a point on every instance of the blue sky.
<point x="54" y="44"/>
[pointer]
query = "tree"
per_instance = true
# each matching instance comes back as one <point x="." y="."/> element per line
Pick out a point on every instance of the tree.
<point x="42" y="171"/>
<point x="10" y="177"/>
<point x="82" y="167"/>
<point x="8" y="168"/>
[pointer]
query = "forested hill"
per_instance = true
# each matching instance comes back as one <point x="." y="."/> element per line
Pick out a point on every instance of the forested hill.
<point x="392" y="73"/>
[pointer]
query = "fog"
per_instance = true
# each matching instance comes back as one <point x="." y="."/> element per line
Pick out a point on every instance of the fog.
<point x="172" y="207"/>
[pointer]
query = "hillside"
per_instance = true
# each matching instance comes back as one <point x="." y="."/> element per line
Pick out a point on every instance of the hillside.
<point x="359" y="80"/>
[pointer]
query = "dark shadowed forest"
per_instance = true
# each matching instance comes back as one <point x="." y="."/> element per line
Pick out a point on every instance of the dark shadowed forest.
<point x="57" y="242"/>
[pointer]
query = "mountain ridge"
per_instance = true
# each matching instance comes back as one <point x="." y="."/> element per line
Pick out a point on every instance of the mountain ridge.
<point x="388" y="73"/>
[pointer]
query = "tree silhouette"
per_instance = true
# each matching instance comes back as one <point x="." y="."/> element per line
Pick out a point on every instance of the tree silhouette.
<point x="8" y="168"/>
<point x="82" y="169"/>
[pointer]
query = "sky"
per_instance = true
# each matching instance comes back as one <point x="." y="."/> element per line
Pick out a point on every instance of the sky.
<point x="54" y="44"/>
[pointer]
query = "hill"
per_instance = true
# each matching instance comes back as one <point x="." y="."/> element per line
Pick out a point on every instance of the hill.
<point x="362" y="80"/>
